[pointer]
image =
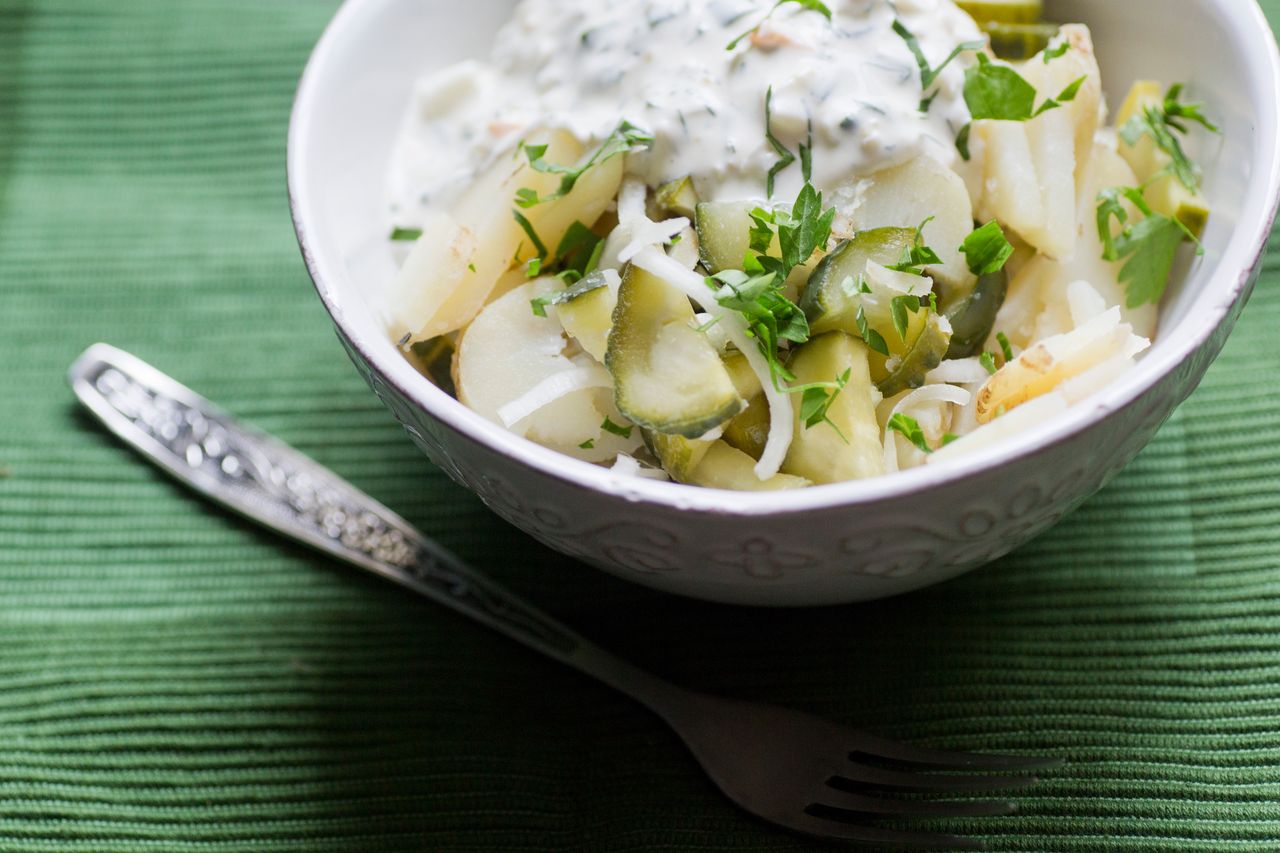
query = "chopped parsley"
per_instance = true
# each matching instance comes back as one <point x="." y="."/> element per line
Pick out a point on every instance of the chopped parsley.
<point x="999" y="92"/>
<point x="815" y="404"/>
<point x="771" y="318"/>
<point x="987" y="250"/>
<point x="785" y="157"/>
<point x="625" y="139"/>
<point x="405" y="235"/>
<point x="901" y="307"/>
<point x="527" y="227"/>
<point x="928" y="74"/>
<point x="917" y="256"/>
<point x="1006" y="349"/>
<point x="1150" y="245"/>
<point x="873" y="339"/>
<point x="1052" y="53"/>
<point x="589" y="444"/>
<point x="812" y="5"/>
<point x="610" y="426"/>
<point x="909" y="428"/>
<point x="1163" y="124"/>
<point x="988" y="362"/>
<point x="592" y="282"/>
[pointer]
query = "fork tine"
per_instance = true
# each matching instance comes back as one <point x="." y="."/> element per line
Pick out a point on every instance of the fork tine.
<point x="930" y="782"/>
<point x="826" y="828"/>
<point x="898" y="751"/>
<point x="881" y="807"/>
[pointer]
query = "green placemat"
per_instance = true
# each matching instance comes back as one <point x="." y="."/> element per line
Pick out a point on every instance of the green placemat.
<point x="171" y="679"/>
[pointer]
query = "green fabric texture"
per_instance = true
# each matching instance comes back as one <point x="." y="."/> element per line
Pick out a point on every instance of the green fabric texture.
<point x="172" y="679"/>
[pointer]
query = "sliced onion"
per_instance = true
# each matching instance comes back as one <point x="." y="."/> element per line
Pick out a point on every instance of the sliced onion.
<point x="918" y="397"/>
<point x="959" y="371"/>
<point x="553" y="388"/>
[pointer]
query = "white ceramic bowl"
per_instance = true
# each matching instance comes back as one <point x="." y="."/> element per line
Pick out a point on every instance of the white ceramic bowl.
<point x="827" y="545"/>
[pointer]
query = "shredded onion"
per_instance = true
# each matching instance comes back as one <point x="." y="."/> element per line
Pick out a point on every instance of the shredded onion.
<point x="959" y="371"/>
<point x="781" y="413"/>
<point x="553" y="388"/>
<point x="920" y="396"/>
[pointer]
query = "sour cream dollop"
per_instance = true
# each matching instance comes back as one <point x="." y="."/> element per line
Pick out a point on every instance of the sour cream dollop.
<point x="586" y="65"/>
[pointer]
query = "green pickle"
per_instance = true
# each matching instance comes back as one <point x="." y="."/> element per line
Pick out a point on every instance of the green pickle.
<point x="849" y="447"/>
<point x="1016" y="42"/>
<point x="667" y="376"/>
<point x="1004" y="11"/>
<point x="833" y="297"/>
<point x="974" y="316"/>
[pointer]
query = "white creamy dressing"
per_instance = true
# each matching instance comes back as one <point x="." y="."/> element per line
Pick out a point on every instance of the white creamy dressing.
<point x="586" y="65"/>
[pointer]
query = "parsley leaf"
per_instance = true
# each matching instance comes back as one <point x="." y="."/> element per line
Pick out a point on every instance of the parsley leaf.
<point x="999" y="92"/>
<point x="917" y="256"/>
<point x="610" y="426"/>
<point x="900" y="307"/>
<point x="987" y="250"/>
<point x="928" y="74"/>
<point x="589" y="444"/>
<point x="527" y="227"/>
<point x="1163" y="124"/>
<point x="1052" y="53"/>
<point x="1150" y="245"/>
<point x="771" y="317"/>
<point x="811" y="5"/>
<point x="405" y="235"/>
<point x="815" y="405"/>
<point x="625" y="139"/>
<point x="989" y="362"/>
<point x="594" y="281"/>
<point x="1005" y="347"/>
<point x="873" y="339"/>
<point x="910" y="429"/>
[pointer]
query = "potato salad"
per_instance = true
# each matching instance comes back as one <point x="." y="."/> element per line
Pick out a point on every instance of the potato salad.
<point x="757" y="245"/>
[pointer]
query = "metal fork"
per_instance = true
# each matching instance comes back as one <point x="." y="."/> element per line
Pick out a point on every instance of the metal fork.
<point x="791" y="769"/>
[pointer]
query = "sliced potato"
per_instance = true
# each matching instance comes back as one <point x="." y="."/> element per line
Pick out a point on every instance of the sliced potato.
<point x="723" y="467"/>
<point x="509" y="350"/>
<point x="1051" y="362"/>
<point x="907" y="195"/>
<point x="1037" y="304"/>
<point x="1011" y="187"/>
<point x="1035" y="169"/>
<point x="433" y="271"/>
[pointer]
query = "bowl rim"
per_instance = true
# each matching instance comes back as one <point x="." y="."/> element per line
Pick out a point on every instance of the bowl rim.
<point x="1232" y="277"/>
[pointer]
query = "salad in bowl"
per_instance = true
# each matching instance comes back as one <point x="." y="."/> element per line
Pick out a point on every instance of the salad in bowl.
<point x="765" y="246"/>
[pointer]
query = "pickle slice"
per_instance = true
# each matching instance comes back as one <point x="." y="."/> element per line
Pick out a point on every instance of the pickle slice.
<point x="667" y="376"/>
<point x="927" y="350"/>
<point x="1004" y="11"/>
<point x="973" y="317"/>
<point x="1165" y="194"/>
<point x="749" y="431"/>
<point x="679" y="456"/>
<point x="1016" y="42"/>
<point x="678" y="198"/>
<point x="849" y="447"/>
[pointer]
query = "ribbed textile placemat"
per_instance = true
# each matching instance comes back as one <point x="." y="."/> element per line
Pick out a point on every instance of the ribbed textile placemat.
<point x="170" y="679"/>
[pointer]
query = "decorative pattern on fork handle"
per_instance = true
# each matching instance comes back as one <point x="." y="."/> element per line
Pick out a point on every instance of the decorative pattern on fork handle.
<point x="267" y="481"/>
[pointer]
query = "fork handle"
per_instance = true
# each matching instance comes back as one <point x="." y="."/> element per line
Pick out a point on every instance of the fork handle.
<point x="270" y="483"/>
